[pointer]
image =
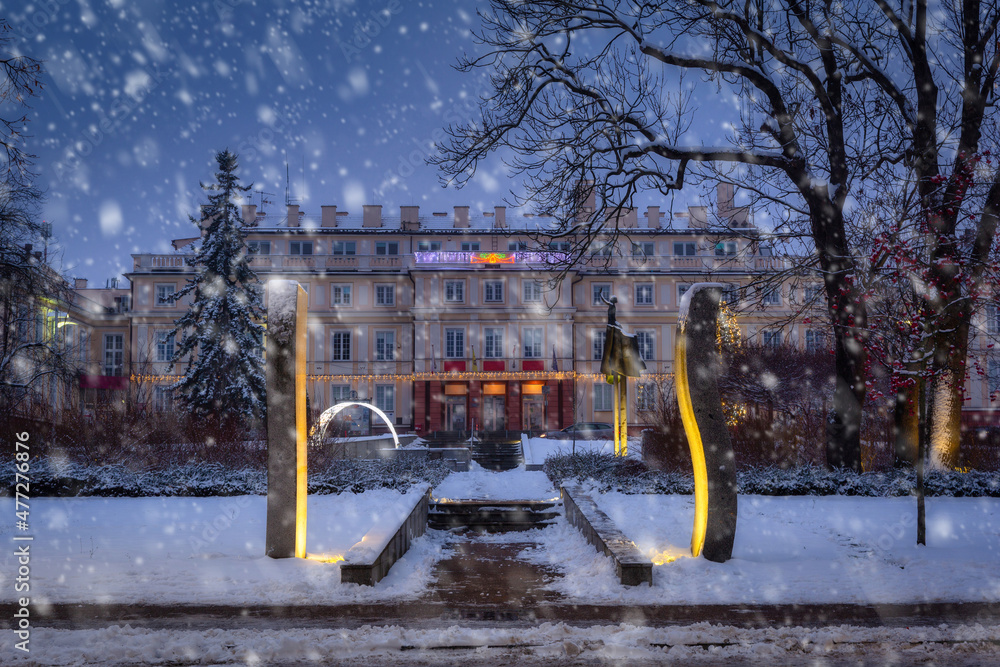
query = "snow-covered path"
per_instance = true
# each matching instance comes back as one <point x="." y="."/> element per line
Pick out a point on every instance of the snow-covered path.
<point x="548" y="643"/>
<point x="480" y="484"/>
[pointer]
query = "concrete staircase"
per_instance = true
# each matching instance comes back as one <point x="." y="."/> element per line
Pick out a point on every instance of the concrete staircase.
<point x="497" y="454"/>
<point x="492" y="516"/>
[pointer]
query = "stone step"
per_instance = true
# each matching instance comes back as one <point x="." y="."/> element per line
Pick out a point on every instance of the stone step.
<point x="493" y="515"/>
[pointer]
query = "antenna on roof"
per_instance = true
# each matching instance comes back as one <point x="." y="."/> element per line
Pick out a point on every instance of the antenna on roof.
<point x="288" y="188"/>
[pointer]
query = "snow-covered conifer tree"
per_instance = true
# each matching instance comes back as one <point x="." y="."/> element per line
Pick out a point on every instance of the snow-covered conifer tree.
<point x="221" y="333"/>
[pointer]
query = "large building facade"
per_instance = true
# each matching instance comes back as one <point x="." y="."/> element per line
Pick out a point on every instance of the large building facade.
<point x="454" y="320"/>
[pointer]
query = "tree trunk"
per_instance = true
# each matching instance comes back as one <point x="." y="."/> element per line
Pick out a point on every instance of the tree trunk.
<point x="906" y="422"/>
<point x="843" y="441"/>
<point x="948" y="393"/>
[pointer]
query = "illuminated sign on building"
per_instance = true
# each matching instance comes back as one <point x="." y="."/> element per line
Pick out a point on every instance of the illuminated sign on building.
<point x="464" y="257"/>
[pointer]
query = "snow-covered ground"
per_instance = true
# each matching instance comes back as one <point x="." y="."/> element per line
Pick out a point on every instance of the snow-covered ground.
<point x="204" y="550"/>
<point x="536" y="450"/>
<point x="826" y="549"/>
<point x="549" y="643"/>
<point x="788" y="549"/>
<point x="483" y="484"/>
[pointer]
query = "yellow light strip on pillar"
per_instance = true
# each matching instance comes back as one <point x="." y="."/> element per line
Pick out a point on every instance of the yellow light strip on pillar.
<point x="696" y="447"/>
<point x="301" y="422"/>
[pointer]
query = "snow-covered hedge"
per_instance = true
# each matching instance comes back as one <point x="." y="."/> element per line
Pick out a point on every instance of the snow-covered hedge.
<point x="610" y="473"/>
<point x="212" y="479"/>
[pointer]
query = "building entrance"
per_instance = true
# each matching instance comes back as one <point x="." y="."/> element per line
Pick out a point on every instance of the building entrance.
<point x="493" y="413"/>
<point x="534" y="414"/>
<point x="455" y="413"/>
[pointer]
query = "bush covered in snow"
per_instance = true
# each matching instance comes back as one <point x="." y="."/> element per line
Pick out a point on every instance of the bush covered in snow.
<point x="50" y="478"/>
<point x="628" y="476"/>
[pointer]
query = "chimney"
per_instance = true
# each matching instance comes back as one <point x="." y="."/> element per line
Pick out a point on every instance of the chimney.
<point x="628" y="218"/>
<point x="409" y="218"/>
<point x="586" y="197"/>
<point x="698" y="217"/>
<point x="293" y="215"/>
<point x="328" y="216"/>
<point x="461" y="217"/>
<point x="372" y="216"/>
<point x="653" y="217"/>
<point x="725" y="195"/>
<point x="250" y="215"/>
<point x="500" y="217"/>
<point x="80" y="283"/>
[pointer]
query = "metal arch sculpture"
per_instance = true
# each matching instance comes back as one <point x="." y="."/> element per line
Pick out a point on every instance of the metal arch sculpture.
<point x="331" y="412"/>
<point x="620" y="360"/>
<point x="699" y="363"/>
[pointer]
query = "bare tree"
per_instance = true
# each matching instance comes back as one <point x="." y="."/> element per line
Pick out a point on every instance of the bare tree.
<point x="942" y="94"/>
<point x="578" y="96"/>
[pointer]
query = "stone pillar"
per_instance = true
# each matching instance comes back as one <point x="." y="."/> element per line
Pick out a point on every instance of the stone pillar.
<point x="699" y="363"/>
<point x="285" y="377"/>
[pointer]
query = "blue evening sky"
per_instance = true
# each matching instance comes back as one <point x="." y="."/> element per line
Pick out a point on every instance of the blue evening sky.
<point x="140" y="94"/>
